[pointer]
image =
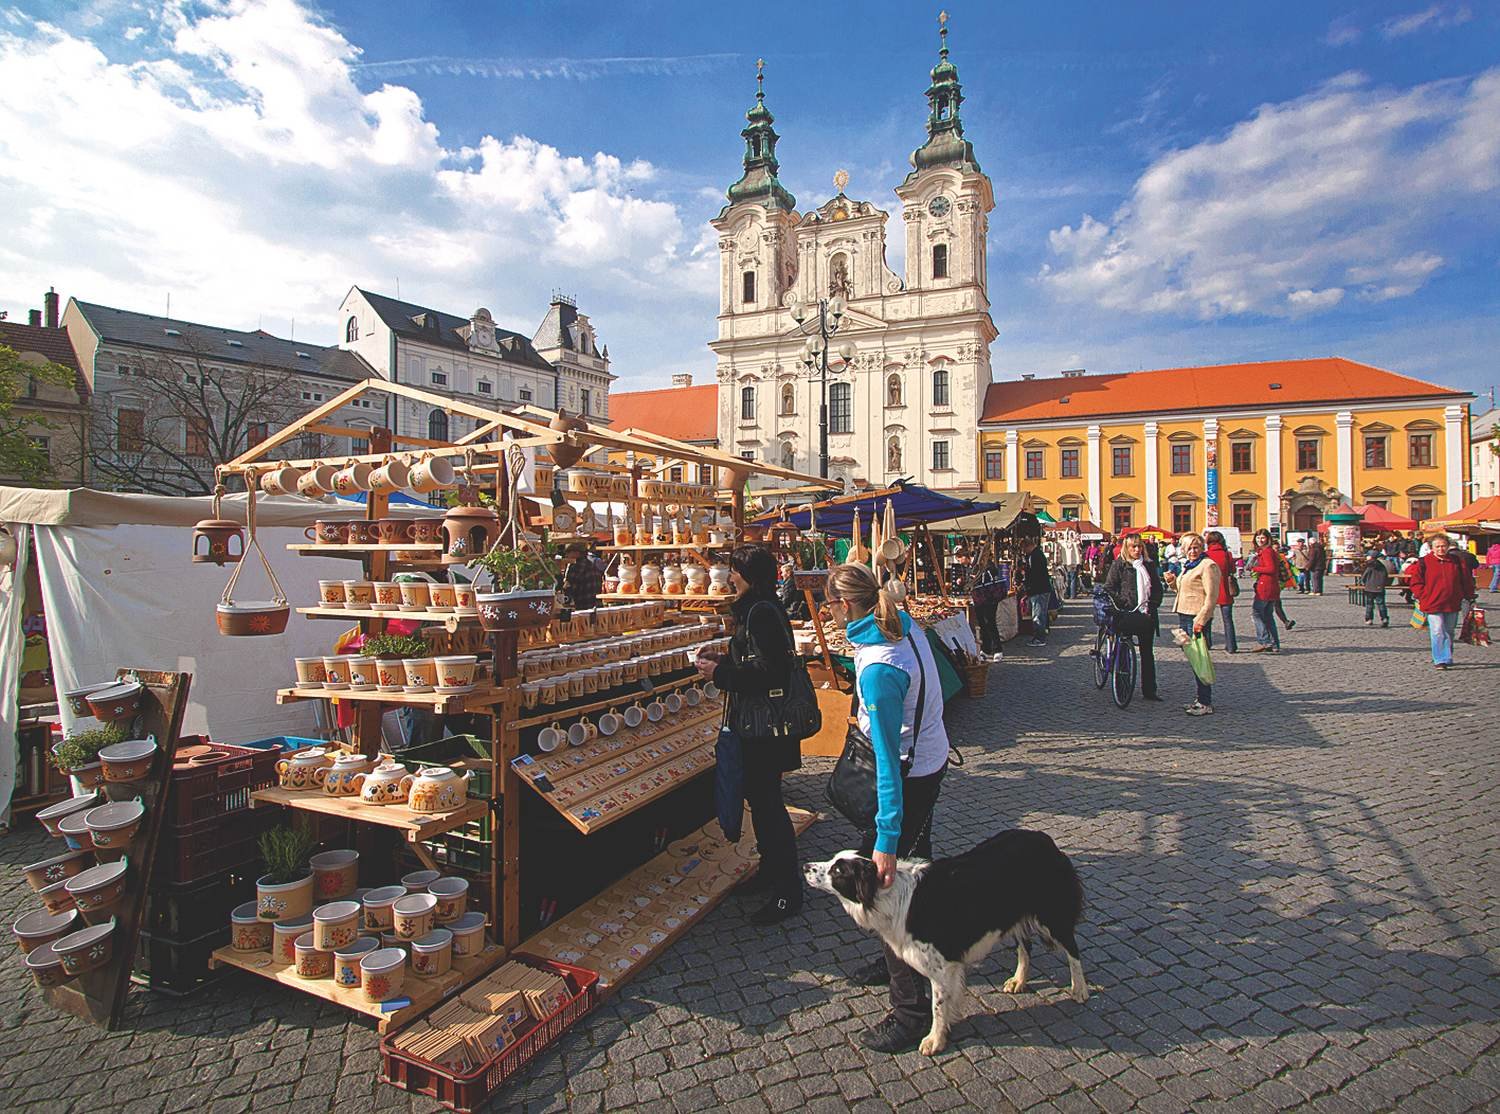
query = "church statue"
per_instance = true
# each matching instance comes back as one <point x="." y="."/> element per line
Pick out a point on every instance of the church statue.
<point x="839" y="286"/>
<point x="893" y="456"/>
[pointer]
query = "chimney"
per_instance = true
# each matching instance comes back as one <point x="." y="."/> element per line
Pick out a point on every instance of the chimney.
<point x="50" y="301"/>
<point x="33" y="317"/>
<point x="1074" y="373"/>
<point x="1026" y="376"/>
<point x="683" y="380"/>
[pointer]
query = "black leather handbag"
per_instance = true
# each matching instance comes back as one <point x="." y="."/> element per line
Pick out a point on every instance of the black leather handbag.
<point x="851" y="786"/>
<point x="790" y="712"/>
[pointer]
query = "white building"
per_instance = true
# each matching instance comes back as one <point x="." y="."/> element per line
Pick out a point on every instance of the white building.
<point x="909" y="402"/>
<point x="475" y="361"/>
<point x="1484" y="454"/>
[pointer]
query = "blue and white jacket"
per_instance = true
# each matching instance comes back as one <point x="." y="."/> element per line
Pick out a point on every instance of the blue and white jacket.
<point x="887" y="680"/>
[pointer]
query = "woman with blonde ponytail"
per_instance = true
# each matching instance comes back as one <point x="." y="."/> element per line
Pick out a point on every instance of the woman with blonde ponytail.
<point x="900" y="709"/>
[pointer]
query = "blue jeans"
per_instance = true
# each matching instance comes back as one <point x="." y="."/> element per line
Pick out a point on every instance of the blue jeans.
<point x="1072" y="573"/>
<point x="1372" y="601"/>
<point x="1039" y="604"/>
<point x="1302" y="577"/>
<point x="1205" y="692"/>
<point x="1226" y="612"/>
<point x="1440" y="628"/>
<point x="1265" y="623"/>
<point x="1495" y="580"/>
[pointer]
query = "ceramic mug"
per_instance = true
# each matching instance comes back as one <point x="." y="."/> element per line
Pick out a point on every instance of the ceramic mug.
<point x="634" y="715"/>
<point x="550" y="738"/>
<point x="327" y="533"/>
<point x="281" y="480"/>
<point x="432" y="473"/>
<point x="331" y="593"/>
<point x="692" y="696"/>
<point x="393" y="530"/>
<point x="362" y="532"/>
<point x="427" y="531"/>
<point x="582" y="732"/>
<point x="610" y="722"/>
<point x="317" y="482"/>
<point x="673" y="701"/>
<point x="655" y="711"/>
<point x="353" y="477"/>
<point x="393" y="476"/>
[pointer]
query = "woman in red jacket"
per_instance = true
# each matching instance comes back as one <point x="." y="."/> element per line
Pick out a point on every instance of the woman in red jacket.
<point x="1267" y="570"/>
<point x="1218" y="553"/>
<point x="1441" y="582"/>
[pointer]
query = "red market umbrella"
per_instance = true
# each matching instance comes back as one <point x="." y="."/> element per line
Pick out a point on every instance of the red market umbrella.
<point x="1156" y="533"/>
<point x="1378" y="518"/>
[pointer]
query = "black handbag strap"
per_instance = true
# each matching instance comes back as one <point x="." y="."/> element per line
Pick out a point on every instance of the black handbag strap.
<point x="916" y="727"/>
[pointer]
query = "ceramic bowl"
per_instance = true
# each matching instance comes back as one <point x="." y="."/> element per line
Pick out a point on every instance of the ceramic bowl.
<point x="468" y="934"/>
<point x="247" y="932"/>
<point x="50" y="815"/>
<point x="99" y="887"/>
<point x="114" y="825"/>
<point x="346" y="960"/>
<point x="39" y="927"/>
<point x="415" y="915"/>
<point x="46" y="966"/>
<point x="378" y="902"/>
<point x="86" y="949"/>
<point x="116" y="702"/>
<point x="452" y="898"/>
<point x="382" y="973"/>
<point x="432" y="954"/>
<point x="78" y="699"/>
<point x="335" y="925"/>
<point x="59" y="868"/>
<point x="55" y="898"/>
<point x="309" y="962"/>
<point x="128" y="761"/>
<point x="284" y="938"/>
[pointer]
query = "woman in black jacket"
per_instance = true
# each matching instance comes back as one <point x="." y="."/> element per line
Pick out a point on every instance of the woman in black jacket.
<point x="759" y="660"/>
<point x="1134" y="583"/>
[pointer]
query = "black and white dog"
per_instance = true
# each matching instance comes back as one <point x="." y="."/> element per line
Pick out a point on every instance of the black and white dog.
<point x="942" y="917"/>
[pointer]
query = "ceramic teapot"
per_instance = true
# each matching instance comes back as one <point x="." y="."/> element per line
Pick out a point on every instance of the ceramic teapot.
<point x="438" y="789"/>
<point x="300" y="770"/>
<point x="343" y="778"/>
<point x="387" y="784"/>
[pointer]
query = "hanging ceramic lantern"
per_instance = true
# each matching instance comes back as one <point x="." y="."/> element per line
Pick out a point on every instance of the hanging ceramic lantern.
<point x="212" y="537"/>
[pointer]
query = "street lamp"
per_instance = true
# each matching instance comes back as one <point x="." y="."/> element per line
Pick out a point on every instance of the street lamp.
<point x="823" y="319"/>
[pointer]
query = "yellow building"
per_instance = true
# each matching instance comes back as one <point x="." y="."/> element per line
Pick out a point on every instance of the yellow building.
<point x="1245" y="445"/>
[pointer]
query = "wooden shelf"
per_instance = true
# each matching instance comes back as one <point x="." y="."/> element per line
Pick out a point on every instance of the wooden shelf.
<point x="439" y="702"/>
<point x="450" y="620"/>
<point x="707" y="548"/>
<point x="373" y="547"/>
<point x="633" y="597"/>
<point x="417" y="826"/>
<point x="421" y="992"/>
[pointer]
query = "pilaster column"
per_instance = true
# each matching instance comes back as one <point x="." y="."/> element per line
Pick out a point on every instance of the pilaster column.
<point x="1096" y="486"/>
<point x="1153" y="473"/>
<point x="1012" y="465"/>
<point x="1344" y="448"/>
<point x="1210" y="472"/>
<point x="1453" y="454"/>
<point x="1273" y="470"/>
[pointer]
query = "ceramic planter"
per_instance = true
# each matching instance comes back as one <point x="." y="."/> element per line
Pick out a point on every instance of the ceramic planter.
<point x="87" y="949"/>
<point x="386" y="784"/>
<point x="452" y="896"/>
<point x="418" y="880"/>
<point x="254" y="617"/>
<point x="284" y="936"/>
<point x="390" y="674"/>
<point x="59" y="868"/>
<point x="218" y="541"/>
<point x="421" y="674"/>
<point x="39" y="927"/>
<point x="335" y="873"/>
<point x="438" y="789"/>
<point x="247" y="932"/>
<point x="456" y="673"/>
<point x="116" y="702"/>
<point x="114" y="825"/>
<point x="468" y="935"/>
<point x="52" y="814"/>
<point x="78" y="699"/>
<point x="346" y="960"/>
<point x="280" y="901"/>
<point x="414" y="595"/>
<point x="335" y="925"/>
<point x="309" y="962"/>
<point x="55" y="898"/>
<point x="499" y="611"/>
<point x="46" y="967"/>
<point x="97" y="889"/>
<point x="75" y="832"/>
<point x="86" y="779"/>
<point x="379" y="916"/>
<point x="362" y="674"/>
<point x="382" y="973"/>
<point x="128" y="761"/>
<point x="432" y="954"/>
<point x="415" y="914"/>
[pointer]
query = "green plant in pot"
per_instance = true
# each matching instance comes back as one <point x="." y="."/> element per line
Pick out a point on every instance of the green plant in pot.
<point x="81" y="749"/>
<point x="285" y="891"/>
<point x="524" y="593"/>
<point x="390" y="647"/>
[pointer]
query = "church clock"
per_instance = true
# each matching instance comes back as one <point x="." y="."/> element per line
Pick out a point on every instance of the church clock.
<point x="938" y="206"/>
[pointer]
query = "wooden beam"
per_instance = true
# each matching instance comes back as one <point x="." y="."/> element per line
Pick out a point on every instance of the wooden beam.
<point x="491" y="449"/>
<point x="296" y="429"/>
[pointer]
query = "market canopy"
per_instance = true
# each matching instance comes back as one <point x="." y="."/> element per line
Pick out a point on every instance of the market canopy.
<point x="1154" y="532"/>
<point x="913" y="503"/>
<point x="1482" y="515"/>
<point x="1378" y="518"/>
<point x="1007" y="509"/>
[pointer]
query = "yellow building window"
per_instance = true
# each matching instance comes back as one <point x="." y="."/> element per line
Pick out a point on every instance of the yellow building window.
<point x="1182" y="518"/>
<point x="1122" y="519"/>
<point x="1241" y="457"/>
<point x="1421" y="509"/>
<point x="1036" y="468"/>
<point x="1421" y="453"/>
<point x="1120" y="458"/>
<point x="1307" y="454"/>
<point x="1243" y="515"/>
<point x="1182" y="460"/>
<point x="994" y="464"/>
<point x="1069" y="469"/>
<point x="1377" y="452"/>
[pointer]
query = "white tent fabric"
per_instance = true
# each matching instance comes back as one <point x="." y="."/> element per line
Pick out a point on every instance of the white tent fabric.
<point x="12" y="638"/>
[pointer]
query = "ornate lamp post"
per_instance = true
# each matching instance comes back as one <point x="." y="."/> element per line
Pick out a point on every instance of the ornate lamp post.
<point x="820" y="322"/>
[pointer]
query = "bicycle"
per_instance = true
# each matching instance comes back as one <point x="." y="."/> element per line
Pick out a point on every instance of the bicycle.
<point x="1114" y="654"/>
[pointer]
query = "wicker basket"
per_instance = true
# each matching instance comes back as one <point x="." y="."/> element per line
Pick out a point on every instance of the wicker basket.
<point x="976" y="675"/>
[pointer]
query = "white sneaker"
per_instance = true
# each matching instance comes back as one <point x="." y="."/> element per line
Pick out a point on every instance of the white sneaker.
<point x="1196" y="709"/>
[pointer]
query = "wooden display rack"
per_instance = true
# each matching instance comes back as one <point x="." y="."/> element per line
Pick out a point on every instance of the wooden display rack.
<point x="415" y="826"/>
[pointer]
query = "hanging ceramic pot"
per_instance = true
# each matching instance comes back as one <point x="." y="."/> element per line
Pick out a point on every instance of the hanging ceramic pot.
<point x="217" y="540"/>
<point x="252" y="617"/>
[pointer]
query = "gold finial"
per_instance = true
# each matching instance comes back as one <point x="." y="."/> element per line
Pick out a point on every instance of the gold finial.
<point x="943" y="18"/>
<point x="760" y="77"/>
<point x="840" y="180"/>
<point x="943" y="33"/>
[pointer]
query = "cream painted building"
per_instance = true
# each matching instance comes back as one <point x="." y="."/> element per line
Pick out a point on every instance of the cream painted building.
<point x="908" y="402"/>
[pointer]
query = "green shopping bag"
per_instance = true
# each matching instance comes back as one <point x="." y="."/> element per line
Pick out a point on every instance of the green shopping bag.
<point x="1198" y="658"/>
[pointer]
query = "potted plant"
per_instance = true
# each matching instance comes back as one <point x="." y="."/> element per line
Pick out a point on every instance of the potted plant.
<point x="524" y="593"/>
<point x="812" y="566"/>
<point x="285" y="891"/>
<point x="394" y="647"/>
<point x="78" y="755"/>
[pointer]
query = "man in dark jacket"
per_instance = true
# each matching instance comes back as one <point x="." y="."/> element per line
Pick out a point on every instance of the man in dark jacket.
<point x="1375" y="578"/>
<point x="582" y="580"/>
<point x="1036" y="584"/>
<point x="1317" y="565"/>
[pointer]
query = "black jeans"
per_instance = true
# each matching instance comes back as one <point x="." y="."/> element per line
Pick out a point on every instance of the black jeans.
<point x="989" y="631"/>
<point x="909" y="995"/>
<point x="1144" y="628"/>
<point x="773" y="831"/>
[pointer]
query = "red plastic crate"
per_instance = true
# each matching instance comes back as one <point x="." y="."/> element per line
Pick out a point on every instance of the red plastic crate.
<point x="200" y="793"/>
<point x="465" y="1093"/>
<point x="210" y="847"/>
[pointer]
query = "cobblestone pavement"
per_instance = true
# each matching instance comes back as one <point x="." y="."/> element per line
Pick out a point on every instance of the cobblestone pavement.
<point x="1292" y="903"/>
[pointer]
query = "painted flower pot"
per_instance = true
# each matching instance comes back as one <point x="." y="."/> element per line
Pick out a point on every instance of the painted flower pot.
<point x="453" y="898"/>
<point x="85" y="779"/>
<point x="468" y="935"/>
<point x="309" y="961"/>
<point x="281" y="901"/>
<point x="247" y="932"/>
<point x="416" y="915"/>
<point x="379" y="916"/>
<point x="421" y="674"/>
<point x="335" y="925"/>
<point x="253" y="617"/>
<point x="39" y="927"/>
<point x="114" y="825"/>
<point x="335" y="873"/>
<point x="116" y="702"/>
<point x="521" y="610"/>
<point x="415" y="594"/>
<point x="78" y="699"/>
<point x="438" y="789"/>
<point x="284" y="936"/>
<point x="382" y="973"/>
<point x="98" y="888"/>
<point x="46" y="966"/>
<point x="418" y="880"/>
<point x="55" y="898"/>
<point x="59" y="868"/>
<point x="390" y="674"/>
<point x="455" y="673"/>
<point x="346" y="960"/>
<point x="363" y="675"/>
<point x="387" y="784"/>
<point x="86" y="950"/>
<point x="432" y="954"/>
<point x="73" y="830"/>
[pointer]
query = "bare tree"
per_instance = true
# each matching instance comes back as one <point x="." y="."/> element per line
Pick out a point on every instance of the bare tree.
<point x="186" y="413"/>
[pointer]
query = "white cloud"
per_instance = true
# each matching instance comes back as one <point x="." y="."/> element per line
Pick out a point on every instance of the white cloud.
<point x="233" y="160"/>
<point x="1342" y="32"/>
<point x="1341" y="191"/>
<point x="1434" y="17"/>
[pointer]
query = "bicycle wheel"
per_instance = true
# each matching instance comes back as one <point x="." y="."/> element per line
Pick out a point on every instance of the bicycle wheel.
<point x="1101" y="658"/>
<point x="1122" y="677"/>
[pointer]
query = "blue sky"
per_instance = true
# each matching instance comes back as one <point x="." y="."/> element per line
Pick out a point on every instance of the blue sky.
<point x="1176" y="183"/>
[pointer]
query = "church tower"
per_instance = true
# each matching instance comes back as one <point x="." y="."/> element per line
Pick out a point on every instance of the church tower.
<point x="946" y="197"/>
<point x="757" y="261"/>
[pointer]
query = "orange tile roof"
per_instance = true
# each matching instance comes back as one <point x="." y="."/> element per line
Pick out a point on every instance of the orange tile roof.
<point x="1275" y="383"/>
<point x="685" y="413"/>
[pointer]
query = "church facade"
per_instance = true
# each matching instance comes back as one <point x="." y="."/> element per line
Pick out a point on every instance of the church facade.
<point x="907" y="401"/>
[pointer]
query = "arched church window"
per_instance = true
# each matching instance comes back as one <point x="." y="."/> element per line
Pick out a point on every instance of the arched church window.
<point x="893" y="390"/>
<point x="747" y="291"/>
<point x="437" y="425"/>
<point x="893" y="454"/>
<point x="940" y="387"/>
<point x="351" y="330"/>
<point x="939" y="261"/>
<point x="788" y="399"/>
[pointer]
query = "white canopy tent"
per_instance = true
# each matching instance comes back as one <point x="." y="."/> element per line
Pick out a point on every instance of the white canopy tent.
<point x="119" y="589"/>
